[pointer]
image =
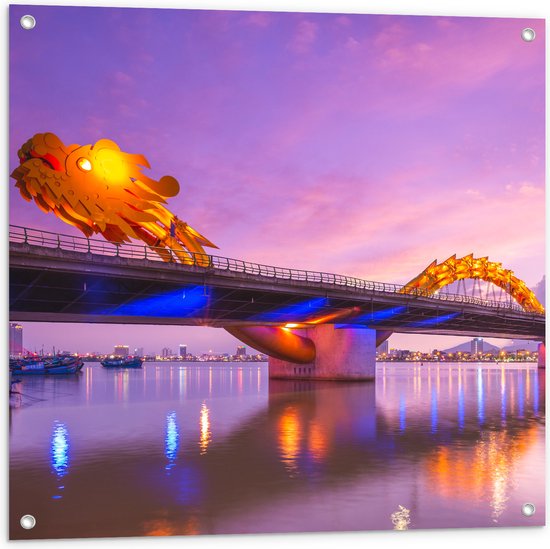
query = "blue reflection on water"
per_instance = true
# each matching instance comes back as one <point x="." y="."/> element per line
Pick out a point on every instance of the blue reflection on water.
<point x="60" y="449"/>
<point x="189" y="484"/>
<point x="171" y="441"/>
<point x="434" y="410"/>
<point x="521" y="395"/>
<point x="480" y="397"/>
<point x="536" y="393"/>
<point x="365" y="427"/>
<point x="461" y="407"/>
<point x="402" y="413"/>
<point x="59" y="453"/>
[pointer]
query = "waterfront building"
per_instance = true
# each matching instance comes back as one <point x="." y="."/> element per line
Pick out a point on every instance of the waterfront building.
<point x="16" y="339"/>
<point x="241" y="350"/>
<point x="122" y="350"/>
<point x="476" y="346"/>
<point x="384" y="347"/>
<point x="183" y="350"/>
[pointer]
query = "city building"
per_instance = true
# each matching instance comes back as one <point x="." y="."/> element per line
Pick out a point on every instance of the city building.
<point x="476" y="346"/>
<point x="16" y="339"/>
<point x="166" y="352"/>
<point x="138" y="351"/>
<point x="241" y="350"/>
<point x="383" y="347"/>
<point x="122" y="350"/>
<point x="183" y="350"/>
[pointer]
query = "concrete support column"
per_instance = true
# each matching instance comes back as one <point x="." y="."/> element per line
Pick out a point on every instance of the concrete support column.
<point x="542" y="355"/>
<point x="345" y="354"/>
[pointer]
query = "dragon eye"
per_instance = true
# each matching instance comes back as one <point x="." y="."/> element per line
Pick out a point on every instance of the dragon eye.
<point x="84" y="164"/>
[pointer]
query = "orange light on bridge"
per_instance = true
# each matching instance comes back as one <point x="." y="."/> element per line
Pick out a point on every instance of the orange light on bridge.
<point x="436" y="275"/>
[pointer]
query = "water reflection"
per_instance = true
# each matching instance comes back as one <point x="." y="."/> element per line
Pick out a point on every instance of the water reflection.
<point x="402" y="413"/>
<point x="289" y="439"/>
<point x="59" y="453"/>
<point x="171" y="440"/>
<point x="480" y="396"/>
<point x="205" y="432"/>
<point x="456" y="445"/>
<point x="460" y="402"/>
<point x="482" y="472"/>
<point x="434" y="410"/>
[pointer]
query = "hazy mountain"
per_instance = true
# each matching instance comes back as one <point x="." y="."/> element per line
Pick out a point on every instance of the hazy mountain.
<point x="467" y="348"/>
<point x="522" y="344"/>
<point x="517" y="344"/>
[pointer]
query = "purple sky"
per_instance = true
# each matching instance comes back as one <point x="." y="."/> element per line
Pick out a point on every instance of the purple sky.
<point x="358" y="144"/>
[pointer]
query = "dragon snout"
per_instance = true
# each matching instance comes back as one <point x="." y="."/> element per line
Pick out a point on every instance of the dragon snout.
<point x="42" y="147"/>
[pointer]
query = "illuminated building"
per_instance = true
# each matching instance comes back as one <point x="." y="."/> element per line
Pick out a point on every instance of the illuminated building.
<point x="241" y="350"/>
<point x="122" y="350"/>
<point x="183" y="350"/>
<point x="477" y="346"/>
<point x="16" y="339"/>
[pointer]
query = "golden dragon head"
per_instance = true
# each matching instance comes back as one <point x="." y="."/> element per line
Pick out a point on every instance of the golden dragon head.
<point x="100" y="189"/>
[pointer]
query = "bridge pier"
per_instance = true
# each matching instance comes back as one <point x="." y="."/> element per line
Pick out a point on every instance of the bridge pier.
<point x="542" y="355"/>
<point x="345" y="354"/>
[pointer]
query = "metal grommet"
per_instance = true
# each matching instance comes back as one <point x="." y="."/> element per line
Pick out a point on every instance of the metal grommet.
<point x="528" y="34"/>
<point x="28" y="22"/>
<point x="28" y="522"/>
<point x="528" y="509"/>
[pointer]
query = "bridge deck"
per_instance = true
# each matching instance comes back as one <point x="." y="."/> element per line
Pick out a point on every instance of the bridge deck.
<point x="57" y="285"/>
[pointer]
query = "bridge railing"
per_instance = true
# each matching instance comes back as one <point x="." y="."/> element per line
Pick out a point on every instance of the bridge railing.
<point x="94" y="246"/>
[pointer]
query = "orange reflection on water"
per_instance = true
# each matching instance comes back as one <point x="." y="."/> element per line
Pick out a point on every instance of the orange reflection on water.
<point x="163" y="527"/>
<point x="483" y="472"/>
<point x="88" y="384"/>
<point x="206" y="433"/>
<point x="317" y="440"/>
<point x="290" y="430"/>
<point x="125" y="385"/>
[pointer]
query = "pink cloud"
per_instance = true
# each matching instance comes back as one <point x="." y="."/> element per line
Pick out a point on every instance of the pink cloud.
<point x="260" y="19"/>
<point x="304" y="36"/>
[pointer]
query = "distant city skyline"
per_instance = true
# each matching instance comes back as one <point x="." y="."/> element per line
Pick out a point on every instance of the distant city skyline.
<point x="153" y="339"/>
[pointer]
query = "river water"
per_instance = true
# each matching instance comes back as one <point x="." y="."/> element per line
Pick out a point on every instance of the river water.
<point x="206" y="448"/>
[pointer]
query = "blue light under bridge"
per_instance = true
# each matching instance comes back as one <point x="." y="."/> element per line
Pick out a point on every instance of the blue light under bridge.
<point x="187" y="301"/>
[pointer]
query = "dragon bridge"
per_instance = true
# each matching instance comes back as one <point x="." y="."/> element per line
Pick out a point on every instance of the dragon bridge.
<point x="100" y="189"/>
<point x="282" y="343"/>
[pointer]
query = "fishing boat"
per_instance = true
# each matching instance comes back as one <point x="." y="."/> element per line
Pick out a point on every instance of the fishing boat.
<point x="122" y="362"/>
<point x="46" y="366"/>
